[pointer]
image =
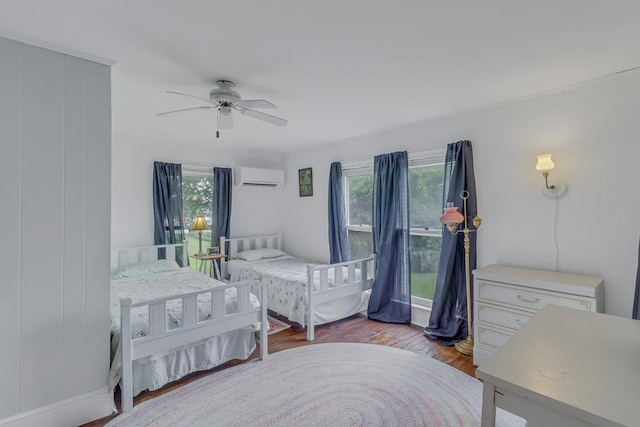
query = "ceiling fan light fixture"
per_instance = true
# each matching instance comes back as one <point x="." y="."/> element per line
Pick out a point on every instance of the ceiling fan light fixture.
<point x="225" y="119"/>
<point x="224" y="100"/>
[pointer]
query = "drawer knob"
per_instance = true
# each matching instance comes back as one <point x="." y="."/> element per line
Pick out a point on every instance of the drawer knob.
<point x="529" y="299"/>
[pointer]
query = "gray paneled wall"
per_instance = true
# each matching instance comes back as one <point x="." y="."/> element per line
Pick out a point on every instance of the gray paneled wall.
<point x="9" y="216"/>
<point x="55" y="149"/>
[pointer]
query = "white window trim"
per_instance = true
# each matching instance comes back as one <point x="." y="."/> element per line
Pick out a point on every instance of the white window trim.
<point x="426" y="232"/>
<point x="192" y="170"/>
<point x="417" y="301"/>
<point x="416" y="159"/>
<point x="358" y="168"/>
<point x="361" y="227"/>
<point x="427" y="158"/>
<point x="432" y="232"/>
<point x="421" y="302"/>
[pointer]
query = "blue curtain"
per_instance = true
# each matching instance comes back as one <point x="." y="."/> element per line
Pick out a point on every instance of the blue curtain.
<point x="338" y="241"/>
<point x="167" y="205"/>
<point x="636" y="301"/>
<point x="222" y="187"/>
<point x="391" y="292"/>
<point x="448" y="321"/>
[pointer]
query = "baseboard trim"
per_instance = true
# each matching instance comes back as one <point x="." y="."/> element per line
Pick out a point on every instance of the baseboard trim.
<point x="75" y="411"/>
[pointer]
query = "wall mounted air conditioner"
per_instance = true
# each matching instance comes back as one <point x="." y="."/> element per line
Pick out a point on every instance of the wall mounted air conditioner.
<point x="259" y="177"/>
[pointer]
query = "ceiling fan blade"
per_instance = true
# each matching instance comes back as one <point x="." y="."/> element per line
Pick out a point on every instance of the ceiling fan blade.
<point x="190" y="96"/>
<point x="254" y="103"/>
<point x="225" y="120"/>
<point x="184" y="109"/>
<point x="263" y="116"/>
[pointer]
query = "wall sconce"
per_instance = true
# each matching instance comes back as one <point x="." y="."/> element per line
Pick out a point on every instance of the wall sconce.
<point x="551" y="188"/>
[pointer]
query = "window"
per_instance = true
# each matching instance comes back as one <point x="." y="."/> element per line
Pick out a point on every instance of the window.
<point x="425" y="208"/>
<point x="197" y="199"/>
<point x="359" y="201"/>
<point x="426" y="176"/>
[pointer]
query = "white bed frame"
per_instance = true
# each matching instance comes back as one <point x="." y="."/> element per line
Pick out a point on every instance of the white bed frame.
<point x="355" y="285"/>
<point x="160" y="339"/>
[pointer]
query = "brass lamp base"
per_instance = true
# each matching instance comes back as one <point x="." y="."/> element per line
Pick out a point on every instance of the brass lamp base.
<point x="465" y="346"/>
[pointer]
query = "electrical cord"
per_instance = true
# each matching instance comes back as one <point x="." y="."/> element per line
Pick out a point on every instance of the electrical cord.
<point x="555" y="235"/>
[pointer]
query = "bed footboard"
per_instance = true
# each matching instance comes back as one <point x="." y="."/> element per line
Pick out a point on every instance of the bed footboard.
<point x="160" y="338"/>
<point x="348" y="278"/>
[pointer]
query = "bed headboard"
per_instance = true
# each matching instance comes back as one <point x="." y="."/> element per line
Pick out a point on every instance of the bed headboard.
<point x="177" y="251"/>
<point x="233" y="245"/>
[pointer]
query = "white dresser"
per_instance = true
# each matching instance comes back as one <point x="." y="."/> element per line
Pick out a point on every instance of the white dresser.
<point x="506" y="297"/>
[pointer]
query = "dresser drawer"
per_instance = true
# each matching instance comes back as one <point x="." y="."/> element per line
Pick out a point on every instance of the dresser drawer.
<point x="502" y="317"/>
<point x="491" y="337"/>
<point x="528" y="298"/>
<point x="506" y="297"/>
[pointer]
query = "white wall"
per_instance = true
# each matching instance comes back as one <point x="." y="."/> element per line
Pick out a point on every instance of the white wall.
<point x="55" y="130"/>
<point x="255" y="210"/>
<point x="590" y="129"/>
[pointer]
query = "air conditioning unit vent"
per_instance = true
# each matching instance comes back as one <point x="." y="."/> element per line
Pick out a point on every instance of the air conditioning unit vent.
<point x="259" y="177"/>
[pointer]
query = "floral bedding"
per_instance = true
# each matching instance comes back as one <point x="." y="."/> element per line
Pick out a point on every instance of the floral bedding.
<point x="161" y="284"/>
<point x="286" y="279"/>
<point x="143" y="284"/>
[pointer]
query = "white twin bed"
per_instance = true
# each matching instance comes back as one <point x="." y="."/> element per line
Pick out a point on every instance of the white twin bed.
<point x="338" y="291"/>
<point x="168" y="321"/>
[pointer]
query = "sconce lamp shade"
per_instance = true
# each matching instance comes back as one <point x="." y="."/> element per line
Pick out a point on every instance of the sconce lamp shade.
<point x="451" y="215"/>
<point x="551" y="189"/>
<point x="199" y="224"/>
<point x="545" y="164"/>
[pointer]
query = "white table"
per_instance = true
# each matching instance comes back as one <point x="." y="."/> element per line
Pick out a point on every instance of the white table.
<point x="566" y="367"/>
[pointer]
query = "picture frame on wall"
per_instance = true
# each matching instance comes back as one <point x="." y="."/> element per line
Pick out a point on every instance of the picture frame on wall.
<point x="305" y="182"/>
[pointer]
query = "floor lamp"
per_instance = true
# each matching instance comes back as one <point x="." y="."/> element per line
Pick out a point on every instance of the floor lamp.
<point x="452" y="219"/>
<point x="199" y="225"/>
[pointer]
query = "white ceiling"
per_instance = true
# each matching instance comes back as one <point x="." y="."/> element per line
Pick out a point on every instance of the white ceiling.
<point x="335" y="68"/>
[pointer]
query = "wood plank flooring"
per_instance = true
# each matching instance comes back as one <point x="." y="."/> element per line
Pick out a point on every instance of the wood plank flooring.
<point x="356" y="328"/>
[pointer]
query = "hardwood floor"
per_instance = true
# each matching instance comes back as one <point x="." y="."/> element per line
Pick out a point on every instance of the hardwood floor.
<point x="356" y="328"/>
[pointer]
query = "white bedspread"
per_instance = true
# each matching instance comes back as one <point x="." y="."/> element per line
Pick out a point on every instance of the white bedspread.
<point x="157" y="370"/>
<point x="286" y="279"/>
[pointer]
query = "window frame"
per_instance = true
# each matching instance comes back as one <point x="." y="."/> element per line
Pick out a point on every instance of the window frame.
<point x="198" y="172"/>
<point x="416" y="160"/>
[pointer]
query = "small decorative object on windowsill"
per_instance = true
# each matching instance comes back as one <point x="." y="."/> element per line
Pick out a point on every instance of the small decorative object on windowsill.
<point x="452" y="219"/>
<point x="199" y="225"/>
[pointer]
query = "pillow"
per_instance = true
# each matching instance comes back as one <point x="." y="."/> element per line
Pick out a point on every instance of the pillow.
<point x="141" y="269"/>
<point x="257" y="254"/>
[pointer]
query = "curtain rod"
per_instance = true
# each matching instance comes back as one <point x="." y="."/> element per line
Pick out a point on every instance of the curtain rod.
<point x="203" y="166"/>
<point x="199" y="166"/>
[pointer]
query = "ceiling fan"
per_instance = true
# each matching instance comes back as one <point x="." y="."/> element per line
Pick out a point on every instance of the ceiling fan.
<point x="224" y="99"/>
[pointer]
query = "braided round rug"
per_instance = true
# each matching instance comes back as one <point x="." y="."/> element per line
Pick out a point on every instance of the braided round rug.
<point x="342" y="384"/>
